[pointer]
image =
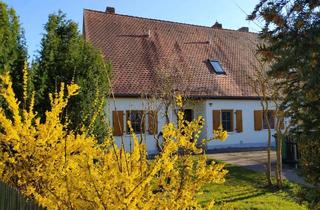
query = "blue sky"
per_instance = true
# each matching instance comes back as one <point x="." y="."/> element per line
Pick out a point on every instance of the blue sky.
<point x="231" y="13"/>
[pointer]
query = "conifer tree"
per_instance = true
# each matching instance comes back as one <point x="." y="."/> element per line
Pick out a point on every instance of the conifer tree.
<point x="13" y="52"/>
<point x="66" y="57"/>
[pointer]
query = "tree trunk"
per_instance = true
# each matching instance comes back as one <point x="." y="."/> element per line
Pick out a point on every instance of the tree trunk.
<point x="269" y="158"/>
<point x="265" y="107"/>
<point x="279" y="160"/>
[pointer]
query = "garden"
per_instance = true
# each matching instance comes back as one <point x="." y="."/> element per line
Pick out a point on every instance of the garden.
<point x="57" y="150"/>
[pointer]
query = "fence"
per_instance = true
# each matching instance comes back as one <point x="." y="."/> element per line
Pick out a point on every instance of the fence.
<point x="12" y="199"/>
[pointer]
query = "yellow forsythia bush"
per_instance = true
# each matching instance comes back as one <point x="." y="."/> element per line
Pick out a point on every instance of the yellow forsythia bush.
<point x="64" y="170"/>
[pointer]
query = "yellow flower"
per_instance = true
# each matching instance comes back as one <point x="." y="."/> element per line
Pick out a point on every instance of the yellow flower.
<point x="220" y="134"/>
<point x="62" y="169"/>
<point x="179" y="101"/>
<point x="25" y="81"/>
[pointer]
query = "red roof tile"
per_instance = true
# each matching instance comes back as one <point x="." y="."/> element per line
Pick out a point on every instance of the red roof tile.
<point x="137" y="58"/>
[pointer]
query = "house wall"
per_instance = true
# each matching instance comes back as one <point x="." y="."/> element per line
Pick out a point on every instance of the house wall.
<point x="124" y="104"/>
<point x="248" y="138"/>
<point x="199" y="109"/>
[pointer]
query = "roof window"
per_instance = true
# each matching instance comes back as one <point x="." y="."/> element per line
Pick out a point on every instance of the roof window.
<point x="216" y="66"/>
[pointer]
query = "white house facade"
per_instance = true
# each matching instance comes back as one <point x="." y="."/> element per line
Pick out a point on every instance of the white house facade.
<point x="252" y="134"/>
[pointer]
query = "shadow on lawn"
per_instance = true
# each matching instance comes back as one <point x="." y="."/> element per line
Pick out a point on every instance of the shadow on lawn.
<point x="241" y="196"/>
<point x="244" y="178"/>
<point x="246" y="183"/>
<point x="246" y="187"/>
<point x="243" y="174"/>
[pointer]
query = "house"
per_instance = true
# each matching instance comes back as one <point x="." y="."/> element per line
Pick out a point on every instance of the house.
<point x="210" y="65"/>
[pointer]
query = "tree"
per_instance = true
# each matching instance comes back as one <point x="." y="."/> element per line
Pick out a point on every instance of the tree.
<point x="65" y="170"/>
<point x="66" y="57"/>
<point x="271" y="97"/>
<point x="291" y="32"/>
<point x="170" y="82"/>
<point x="13" y="52"/>
<point x="261" y="85"/>
<point x="173" y="85"/>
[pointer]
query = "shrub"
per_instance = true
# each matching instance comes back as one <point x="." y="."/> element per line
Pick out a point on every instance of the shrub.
<point x="65" y="170"/>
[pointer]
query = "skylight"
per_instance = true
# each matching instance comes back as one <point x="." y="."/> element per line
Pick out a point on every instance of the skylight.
<point x="217" y="67"/>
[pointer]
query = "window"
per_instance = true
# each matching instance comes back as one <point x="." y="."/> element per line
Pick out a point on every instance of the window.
<point x="217" y="67"/>
<point x="270" y="116"/>
<point x="137" y="121"/>
<point x="188" y="115"/>
<point x="227" y="120"/>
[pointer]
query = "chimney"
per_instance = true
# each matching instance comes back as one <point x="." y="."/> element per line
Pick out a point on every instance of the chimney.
<point x="217" y="25"/>
<point x="110" y="10"/>
<point x="149" y="33"/>
<point x="244" y="29"/>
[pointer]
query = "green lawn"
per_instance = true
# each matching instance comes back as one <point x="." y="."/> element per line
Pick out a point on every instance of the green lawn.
<point x="245" y="189"/>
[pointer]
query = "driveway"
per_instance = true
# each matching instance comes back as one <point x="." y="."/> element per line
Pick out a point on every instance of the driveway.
<point x="256" y="161"/>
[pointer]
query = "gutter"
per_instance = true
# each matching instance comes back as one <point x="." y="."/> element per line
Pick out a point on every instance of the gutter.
<point x="124" y="95"/>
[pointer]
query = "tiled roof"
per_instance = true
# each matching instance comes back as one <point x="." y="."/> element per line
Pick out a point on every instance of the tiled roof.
<point x="142" y="49"/>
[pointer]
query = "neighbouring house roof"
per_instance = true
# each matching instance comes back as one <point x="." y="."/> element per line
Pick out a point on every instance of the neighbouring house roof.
<point x="144" y="50"/>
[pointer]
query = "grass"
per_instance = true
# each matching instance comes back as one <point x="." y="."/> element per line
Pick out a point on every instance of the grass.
<point x="246" y="189"/>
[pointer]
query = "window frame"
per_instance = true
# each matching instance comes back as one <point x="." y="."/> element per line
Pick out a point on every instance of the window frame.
<point x="222" y="72"/>
<point x="231" y="119"/>
<point x="271" y="117"/>
<point x="141" y="123"/>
